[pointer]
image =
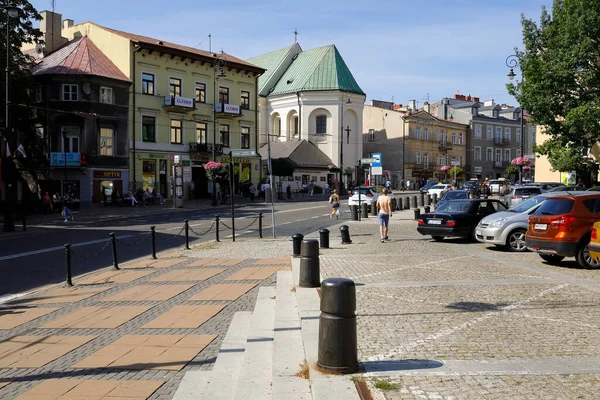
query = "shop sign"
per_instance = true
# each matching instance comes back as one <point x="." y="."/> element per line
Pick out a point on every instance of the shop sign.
<point x="186" y="163"/>
<point x="58" y="159"/>
<point x="178" y="101"/>
<point x="227" y="108"/>
<point x="107" y="174"/>
<point x="236" y="160"/>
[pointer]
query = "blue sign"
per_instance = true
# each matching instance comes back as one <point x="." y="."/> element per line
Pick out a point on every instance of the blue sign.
<point x="377" y="157"/>
<point x="58" y="159"/>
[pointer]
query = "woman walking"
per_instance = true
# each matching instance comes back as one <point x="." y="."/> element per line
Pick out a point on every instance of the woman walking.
<point x="334" y="200"/>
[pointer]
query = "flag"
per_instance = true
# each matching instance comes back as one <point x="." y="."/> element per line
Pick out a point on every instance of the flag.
<point x="21" y="150"/>
<point x="8" y="153"/>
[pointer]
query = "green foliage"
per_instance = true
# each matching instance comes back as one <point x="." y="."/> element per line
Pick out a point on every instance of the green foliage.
<point x="561" y="79"/>
<point x="459" y="171"/>
<point x="512" y="170"/>
<point x="282" y="167"/>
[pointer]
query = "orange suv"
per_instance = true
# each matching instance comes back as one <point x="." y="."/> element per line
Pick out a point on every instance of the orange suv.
<point x="562" y="227"/>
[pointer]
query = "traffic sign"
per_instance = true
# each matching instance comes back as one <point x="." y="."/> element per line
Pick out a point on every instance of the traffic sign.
<point x="368" y="160"/>
<point x="243" y="153"/>
<point x="455" y="163"/>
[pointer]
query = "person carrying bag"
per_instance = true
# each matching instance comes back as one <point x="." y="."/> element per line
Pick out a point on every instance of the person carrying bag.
<point x="334" y="200"/>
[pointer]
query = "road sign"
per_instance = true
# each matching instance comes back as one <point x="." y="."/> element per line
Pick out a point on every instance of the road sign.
<point x="364" y="161"/>
<point x="455" y="163"/>
<point x="243" y="153"/>
<point x="376" y="168"/>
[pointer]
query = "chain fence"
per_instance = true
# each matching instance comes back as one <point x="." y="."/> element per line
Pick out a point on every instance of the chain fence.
<point x="142" y="240"/>
<point x="254" y="221"/>
<point x="166" y="238"/>
<point x="87" y="256"/>
<point x="210" y="228"/>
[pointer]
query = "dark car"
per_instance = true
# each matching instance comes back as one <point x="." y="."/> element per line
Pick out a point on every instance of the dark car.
<point x="428" y="186"/>
<point x="453" y="195"/>
<point x="566" y="189"/>
<point x="472" y="186"/>
<point x="457" y="218"/>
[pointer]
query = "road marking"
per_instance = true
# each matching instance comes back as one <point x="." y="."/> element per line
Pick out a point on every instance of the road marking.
<point x="407" y="267"/>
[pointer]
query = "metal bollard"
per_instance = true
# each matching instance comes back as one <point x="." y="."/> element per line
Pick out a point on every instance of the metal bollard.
<point x="421" y="200"/>
<point x="427" y="209"/>
<point x="217" y="227"/>
<point x="373" y="209"/>
<point x="354" y="213"/>
<point x="297" y="244"/>
<point x="414" y="202"/>
<point x="434" y="199"/>
<point x="345" y="234"/>
<point x="260" y="217"/>
<point x="68" y="260"/>
<point x="417" y="213"/>
<point x="153" y="232"/>
<point x="113" y="239"/>
<point x="406" y="203"/>
<point x="324" y="238"/>
<point x="364" y="211"/>
<point x="338" y="344"/>
<point x="187" y="233"/>
<point x="310" y="269"/>
<point x="428" y="200"/>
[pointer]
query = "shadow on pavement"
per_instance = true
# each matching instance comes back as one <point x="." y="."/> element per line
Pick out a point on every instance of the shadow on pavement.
<point x="400" y="365"/>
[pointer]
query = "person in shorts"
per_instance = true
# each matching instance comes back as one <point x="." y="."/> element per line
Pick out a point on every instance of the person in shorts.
<point x="384" y="206"/>
<point x="334" y="200"/>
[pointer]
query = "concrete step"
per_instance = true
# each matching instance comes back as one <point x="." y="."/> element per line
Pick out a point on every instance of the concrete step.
<point x="288" y="349"/>
<point x="255" y="378"/>
<point x="220" y="382"/>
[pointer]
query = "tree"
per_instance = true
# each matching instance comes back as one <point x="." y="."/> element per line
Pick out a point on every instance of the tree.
<point x="560" y="84"/>
<point x="512" y="170"/>
<point x="283" y="167"/>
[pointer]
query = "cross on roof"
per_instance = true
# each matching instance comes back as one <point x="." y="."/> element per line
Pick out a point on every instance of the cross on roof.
<point x="296" y="35"/>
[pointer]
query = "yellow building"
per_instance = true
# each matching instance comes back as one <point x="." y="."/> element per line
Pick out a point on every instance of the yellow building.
<point x="431" y="143"/>
<point x="181" y="99"/>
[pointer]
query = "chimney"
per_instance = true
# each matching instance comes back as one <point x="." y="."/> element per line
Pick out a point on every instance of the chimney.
<point x="67" y="23"/>
<point x="475" y="99"/>
<point x="397" y="107"/>
<point x="412" y="105"/>
<point x="468" y="97"/>
<point x="50" y="25"/>
<point x="426" y="107"/>
<point x="459" y="97"/>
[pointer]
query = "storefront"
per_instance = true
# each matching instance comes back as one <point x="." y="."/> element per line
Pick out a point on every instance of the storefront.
<point x="154" y="171"/>
<point x="244" y="169"/>
<point x="106" y="182"/>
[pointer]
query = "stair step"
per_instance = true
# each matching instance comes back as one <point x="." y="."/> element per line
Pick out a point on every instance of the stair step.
<point x="288" y="349"/>
<point x="219" y="383"/>
<point x="255" y="378"/>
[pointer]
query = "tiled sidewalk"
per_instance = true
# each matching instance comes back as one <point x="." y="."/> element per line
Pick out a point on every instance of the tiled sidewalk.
<point x="129" y="334"/>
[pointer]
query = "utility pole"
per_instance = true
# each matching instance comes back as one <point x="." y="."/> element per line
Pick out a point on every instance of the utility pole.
<point x="270" y="168"/>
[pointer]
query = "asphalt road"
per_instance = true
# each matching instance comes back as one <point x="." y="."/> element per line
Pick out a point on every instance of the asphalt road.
<point x="37" y="257"/>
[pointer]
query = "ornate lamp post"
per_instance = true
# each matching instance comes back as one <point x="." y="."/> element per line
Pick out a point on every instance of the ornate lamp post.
<point x="219" y="65"/>
<point x="512" y="62"/>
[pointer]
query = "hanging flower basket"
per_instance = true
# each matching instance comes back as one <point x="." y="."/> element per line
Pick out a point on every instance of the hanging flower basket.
<point x="215" y="171"/>
<point x="444" y="168"/>
<point x="521" y="161"/>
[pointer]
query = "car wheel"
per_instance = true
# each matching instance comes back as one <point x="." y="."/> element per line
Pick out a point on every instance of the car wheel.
<point x="516" y="240"/>
<point x="551" y="259"/>
<point x="584" y="259"/>
<point x="437" y="238"/>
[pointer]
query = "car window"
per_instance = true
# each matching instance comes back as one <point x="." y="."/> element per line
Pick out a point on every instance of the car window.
<point x="438" y="187"/>
<point x="486" y="207"/>
<point x="527" y="192"/>
<point x="528" y="204"/>
<point x="590" y="204"/>
<point x="455" y="195"/>
<point x="498" y="206"/>
<point x="555" y="207"/>
<point x="362" y="191"/>
<point x="454" y="206"/>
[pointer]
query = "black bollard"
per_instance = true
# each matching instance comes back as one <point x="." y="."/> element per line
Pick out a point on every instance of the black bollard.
<point x="364" y="211"/>
<point x="297" y="244"/>
<point x="153" y="233"/>
<point x="345" y="234"/>
<point x="187" y="233"/>
<point x="113" y="239"/>
<point x="434" y="199"/>
<point x="217" y="227"/>
<point x="260" y="217"/>
<point x="373" y="209"/>
<point x="421" y="200"/>
<point x="324" y="238"/>
<point x="310" y="269"/>
<point x="427" y="199"/>
<point x="354" y="213"/>
<point x="68" y="260"/>
<point x="338" y="344"/>
<point x="417" y="213"/>
<point x="427" y="209"/>
<point x="406" y="203"/>
<point x="414" y="202"/>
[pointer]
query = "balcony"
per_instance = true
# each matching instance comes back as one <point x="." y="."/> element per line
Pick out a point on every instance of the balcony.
<point x="228" y="110"/>
<point x="501" y="141"/>
<point x="205" y="148"/>
<point x="443" y="146"/>
<point x="501" y="164"/>
<point x="180" y="103"/>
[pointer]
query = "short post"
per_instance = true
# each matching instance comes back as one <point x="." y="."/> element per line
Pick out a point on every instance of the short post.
<point x="260" y="217"/>
<point x="428" y="200"/>
<point x="406" y="203"/>
<point x="217" y="227"/>
<point x="338" y="348"/>
<point x="310" y="269"/>
<point x="68" y="260"/>
<point x="364" y="211"/>
<point x="427" y="209"/>
<point x="187" y="233"/>
<point x="345" y="234"/>
<point x="373" y="209"/>
<point x="324" y="238"/>
<point x="417" y="213"/>
<point x="414" y="202"/>
<point x="153" y="233"/>
<point x="434" y="199"/>
<point x="297" y="244"/>
<point x="421" y="200"/>
<point x="113" y="239"/>
<point x="354" y="213"/>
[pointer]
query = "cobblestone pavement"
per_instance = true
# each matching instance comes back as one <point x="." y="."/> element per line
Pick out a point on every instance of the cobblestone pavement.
<point x="44" y="335"/>
<point x="464" y="320"/>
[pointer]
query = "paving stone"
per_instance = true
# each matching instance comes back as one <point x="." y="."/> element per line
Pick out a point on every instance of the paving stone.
<point x="216" y="262"/>
<point x="14" y="316"/>
<point x="223" y="292"/>
<point x="64" y="295"/>
<point x="184" y="317"/>
<point x="113" y="277"/>
<point x="67" y="389"/>
<point x="97" y="317"/>
<point x="36" y="351"/>
<point x="149" y="293"/>
<point x="253" y="274"/>
<point x="185" y="275"/>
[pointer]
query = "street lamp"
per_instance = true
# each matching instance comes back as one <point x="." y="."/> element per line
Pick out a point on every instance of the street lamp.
<point x="512" y="61"/>
<point x="9" y="223"/>
<point x="347" y="96"/>
<point x="220" y="65"/>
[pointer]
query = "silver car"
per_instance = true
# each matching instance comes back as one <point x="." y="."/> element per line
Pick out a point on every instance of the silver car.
<point x="518" y="194"/>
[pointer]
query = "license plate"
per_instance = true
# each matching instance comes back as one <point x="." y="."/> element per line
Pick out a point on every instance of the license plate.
<point x="478" y="232"/>
<point x="434" y="221"/>
<point x="540" y="227"/>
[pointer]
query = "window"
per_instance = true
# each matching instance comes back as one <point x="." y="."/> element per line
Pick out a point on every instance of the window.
<point x="518" y="135"/>
<point x="460" y="138"/>
<point x="223" y="95"/>
<point x="200" y="92"/>
<point x="70" y="136"/>
<point x="507" y="134"/>
<point x="478" y="131"/>
<point x="147" y="83"/>
<point x="371" y="135"/>
<point x="477" y="153"/>
<point x="489" y="133"/>
<point x="321" y="124"/>
<point x="453" y="137"/>
<point x="489" y="154"/>
<point x="200" y="132"/>
<point x="590" y="204"/>
<point x="106" y="142"/>
<point x="245" y="98"/>
<point x="426" y="133"/>
<point x="224" y="130"/>
<point x="418" y="157"/>
<point x="39" y="94"/>
<point x="106" y="95"/>
<point x="148" y="129"/>
<point x="518" y="153"/>
<point x="296" y="127"/>
<point x="70" y="92"/>
<point x="174" y="87"/>
<point x="498" y="155"/>
<point x="176" y="131"/>
<point x="425" y="160"/>
<point x="507" y="155"/>
<point x="498" y="132"/>
<point x="278" y="126"/>
<point x="245" y="137"/>
<point x="418" y="132"/>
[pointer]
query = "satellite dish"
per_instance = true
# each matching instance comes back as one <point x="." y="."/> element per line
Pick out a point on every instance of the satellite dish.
<point x="86" y="88"/>
<point x="38" y="48"/>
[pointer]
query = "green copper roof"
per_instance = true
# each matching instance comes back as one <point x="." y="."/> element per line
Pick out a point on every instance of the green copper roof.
<point x="269" y="61"/>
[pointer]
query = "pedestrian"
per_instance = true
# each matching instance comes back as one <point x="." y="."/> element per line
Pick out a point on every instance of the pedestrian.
<point x="334" y="200"/>
<point x="46" y="203"/>
<point x="252" y="191"/>
<point x="311" y="188"/>
<point x="66" y="210"/>
<point x="402" y="184"/>
<point x="288" y="191"/>
<point x="384" y="205"/>
<point x="407" y="184"/>
<point x="192" y="190"/>
<point x="326" y="188"/>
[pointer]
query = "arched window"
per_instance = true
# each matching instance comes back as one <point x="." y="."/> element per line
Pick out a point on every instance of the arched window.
<point x="321" y="125"/>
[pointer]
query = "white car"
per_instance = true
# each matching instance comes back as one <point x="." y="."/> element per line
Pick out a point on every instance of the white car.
<point x="438" y="189"/>
<point x="369" y="195"/>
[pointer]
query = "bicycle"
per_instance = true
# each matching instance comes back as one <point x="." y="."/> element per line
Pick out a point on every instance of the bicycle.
<point x="223" y="197"/>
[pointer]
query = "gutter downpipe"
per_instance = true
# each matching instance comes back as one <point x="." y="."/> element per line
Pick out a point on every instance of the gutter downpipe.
<point x="136" y="49"/>
<point x="299" y="117"/>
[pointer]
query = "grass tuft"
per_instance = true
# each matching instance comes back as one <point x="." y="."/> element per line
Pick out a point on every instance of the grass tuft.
<point x="384" y="385"/>
<point x="304" y="372"/>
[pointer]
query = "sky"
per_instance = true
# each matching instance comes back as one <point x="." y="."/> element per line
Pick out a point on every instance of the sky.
<point x="396" y="49"/>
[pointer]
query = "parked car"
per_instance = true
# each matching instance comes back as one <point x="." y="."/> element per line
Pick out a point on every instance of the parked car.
<point x="472" y="186"/>
<point x="452" y="195"/>
<point x="369" y="195"/>
<point x="457" y="218"/>
<point x="562" y="227"/>
<point x="497" y="186"/>
<point x="545" y="186"/>
<point x="594" y="246"/>
<point x="428" y="186"/>
<point x="517" y="194"/>
<point x="438" y="189"/>
<point x="572" y="188"/>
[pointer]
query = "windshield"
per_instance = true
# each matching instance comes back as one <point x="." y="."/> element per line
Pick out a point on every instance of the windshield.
<point x="455" y="195"/>
<point x="438" y="187"/>
<point x="454" y="206"/>
<point x="528" y="204"/>
<point x="362" y="191"/>
<point x="556" y="207"/>
<point x="527" y="191"/>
